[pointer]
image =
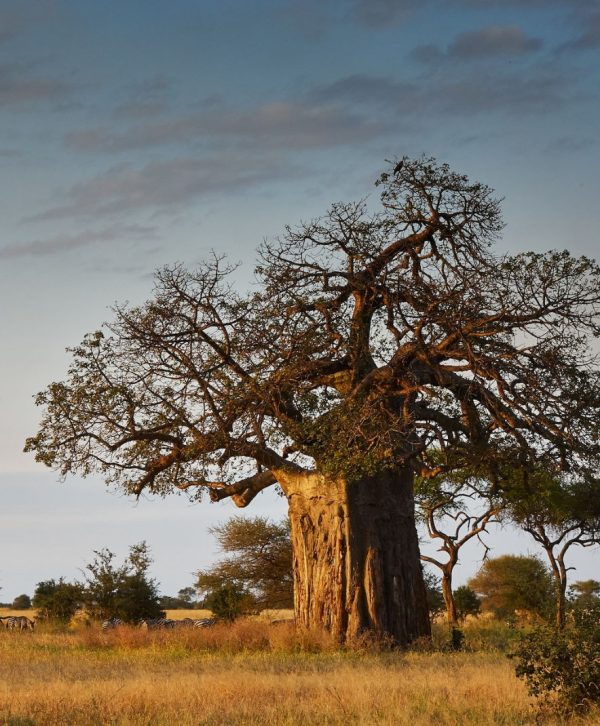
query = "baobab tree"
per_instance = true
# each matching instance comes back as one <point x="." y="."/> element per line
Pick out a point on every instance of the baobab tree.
<point x="373" y="338"/>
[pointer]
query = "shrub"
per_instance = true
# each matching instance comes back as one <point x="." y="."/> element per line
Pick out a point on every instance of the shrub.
<point x="21" y="602"/>
<point x="563" y="666"/>
<point x="57" y="600"/>
<point x="228" y="602"/>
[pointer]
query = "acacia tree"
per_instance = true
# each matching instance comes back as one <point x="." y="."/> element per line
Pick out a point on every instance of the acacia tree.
<point x="559" y="512"/>
<point x="455" y="508"/>
<point x="373" y="337"/>
<point x="512" y="583"/>
<point x="259" y="560"/>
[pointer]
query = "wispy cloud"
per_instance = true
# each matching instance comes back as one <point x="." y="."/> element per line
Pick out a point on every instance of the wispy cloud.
<point x="471" y="93"/>
<point x="18" y="17"/>
<point x="587" y="37"/>
<point x="492" y="42"/>
<point x="69" y="242"/>
<point x="283" y="124"/>
<point x="20" y="86"/>
<point x="147" y="98"/>
<point x="163" y="186"/>
<point x="381" y="13"/>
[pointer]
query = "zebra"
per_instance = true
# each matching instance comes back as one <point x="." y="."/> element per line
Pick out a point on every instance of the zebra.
<point x="205" y="622"/>
<point x="157" y="623"/>
<point x="19" y="622"/>
<point x="194" y="623"/>
<point x="110" y="624"/>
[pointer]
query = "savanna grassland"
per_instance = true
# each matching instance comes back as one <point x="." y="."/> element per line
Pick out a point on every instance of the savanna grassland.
<point x="254" y="673"/>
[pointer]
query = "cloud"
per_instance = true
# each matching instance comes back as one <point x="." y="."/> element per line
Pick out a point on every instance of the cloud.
<point x="474" y="92"/>
<point x="18" y="17"/>
<point x="381" y="13"/>
<point x="163" y="186"/>
<point x="507" y="40"/>
<point x="281" y="124"/>
<point x="18" y="86"/>
<point x="147" y="98"/>
<point x="492" y="42"/>
<point x="69" y="242"/>
<point x="588" y="37"/>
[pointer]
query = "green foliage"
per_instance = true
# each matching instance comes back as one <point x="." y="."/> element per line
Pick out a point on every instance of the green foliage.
<point x="21" y="602"/>
<point x="467" y="602"/>
<point x="435" y="599"/>
<point x="514" y="583"/>
<point x="228" y="602"/>
<point x="563" y="666"/>
<point x="185" y="600"/>
<point x="58" y="600"/>
<point x="584" y="593"/>
<point x="259" y="561"/>
<point x="125" y="591"/>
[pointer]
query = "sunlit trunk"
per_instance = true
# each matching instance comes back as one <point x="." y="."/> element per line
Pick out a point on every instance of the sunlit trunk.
<point x="449" y="597"/>
<point x="356" y="557"/>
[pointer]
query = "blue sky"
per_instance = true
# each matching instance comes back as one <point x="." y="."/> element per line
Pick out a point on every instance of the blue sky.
<point x="139" y="133"/>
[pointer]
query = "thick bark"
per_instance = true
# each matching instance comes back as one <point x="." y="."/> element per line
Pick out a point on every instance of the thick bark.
<point x="356" y="557"/>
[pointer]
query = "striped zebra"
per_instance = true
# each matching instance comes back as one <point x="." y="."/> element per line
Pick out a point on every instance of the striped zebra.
<point x="205" y="622"/>
<point x="157" y="624"/>
<point x="194" y="623"/>
<point x="19" y="622"/>
<point x="110" y="624"/>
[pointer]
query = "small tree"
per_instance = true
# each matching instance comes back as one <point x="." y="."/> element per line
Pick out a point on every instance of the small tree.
<point x="435" y="599"/>
<point x="455" y="508"/>
<point x="259" y="561"/>
<point x="21" y="602"/>
<point x="125" y="591"/>
<point x="585" y="592"/>
<point x="466" y="601"/>
<point x="187" y="595"/>
<point x="228" y="602"/>
<point x="57" y="600"/>
<point x="514" y="582"/>
<point x="559" y="512"/>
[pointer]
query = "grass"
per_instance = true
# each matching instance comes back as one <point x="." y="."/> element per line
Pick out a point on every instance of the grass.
<point x="248" y="673"/>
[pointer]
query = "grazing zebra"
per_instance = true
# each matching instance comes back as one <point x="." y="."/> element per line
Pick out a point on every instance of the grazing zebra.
<point x="204" y="622"/>
<point x="110" y="624"/>
<point x="194" y="623"/>
<point x="19" y="622"/>
<point x="157" y="623"/>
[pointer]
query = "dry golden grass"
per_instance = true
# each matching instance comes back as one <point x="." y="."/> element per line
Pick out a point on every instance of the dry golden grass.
<point x="7" y="612"/>
<point x="248" y="673"/>
<point x="181" y="614"/>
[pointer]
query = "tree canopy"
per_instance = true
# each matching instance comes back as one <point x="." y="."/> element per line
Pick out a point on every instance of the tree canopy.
<point x="486" y="353"/>
<point x="511" y="583"/>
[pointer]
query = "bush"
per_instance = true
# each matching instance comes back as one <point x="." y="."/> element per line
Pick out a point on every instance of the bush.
<point x="122" y="591"/>
<point x="21" y="602"/>
<point x="228" y="602"/>
<point x="466" y="601"/>
<point x="57" y="600"/>
<point x="563" y="666"/>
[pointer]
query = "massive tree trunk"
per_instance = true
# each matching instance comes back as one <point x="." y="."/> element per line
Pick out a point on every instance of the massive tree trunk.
<point x="356" y="557"/>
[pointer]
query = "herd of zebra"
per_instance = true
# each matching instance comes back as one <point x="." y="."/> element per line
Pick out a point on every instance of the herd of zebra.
<point x="20" y="623"/>
<point x="161" y="623"/>
<point x="17" y="622"/>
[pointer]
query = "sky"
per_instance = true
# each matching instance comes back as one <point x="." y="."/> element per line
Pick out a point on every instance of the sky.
<point x="140" y="133"/>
